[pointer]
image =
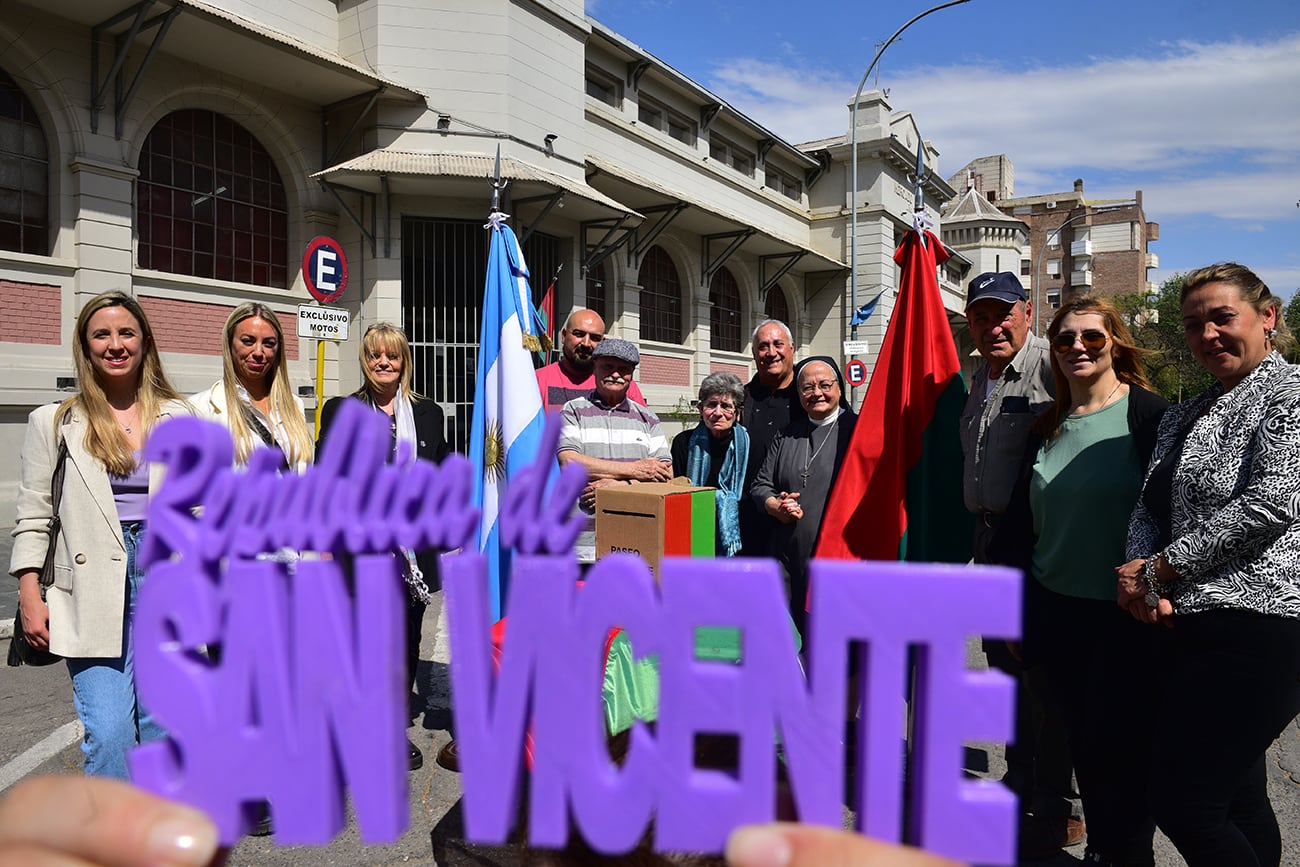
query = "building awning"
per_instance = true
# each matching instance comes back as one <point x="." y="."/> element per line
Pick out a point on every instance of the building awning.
<point x="703" y="219"/>
<point x="464" y="175"/>
<point x="207" y="35"/>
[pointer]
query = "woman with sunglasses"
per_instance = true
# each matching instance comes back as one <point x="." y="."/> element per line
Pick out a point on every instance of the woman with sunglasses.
<point x="1065" y="525"/>
<point x="715" y="452"/>
<point x="1215" y="546"/>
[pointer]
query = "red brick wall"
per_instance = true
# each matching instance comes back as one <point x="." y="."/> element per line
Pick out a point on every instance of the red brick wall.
<point x="33" y="313"/>
<point x="662" y="370"/>
<point x="741" y="370"/>
<point x="195" y="326"/>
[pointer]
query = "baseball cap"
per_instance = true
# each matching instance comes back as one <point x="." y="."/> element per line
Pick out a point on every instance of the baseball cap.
<point x="1001" y="285"/>
<point x="621" y="349"/>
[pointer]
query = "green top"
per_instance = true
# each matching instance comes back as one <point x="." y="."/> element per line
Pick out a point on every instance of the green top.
<point x="1081" y="494"/>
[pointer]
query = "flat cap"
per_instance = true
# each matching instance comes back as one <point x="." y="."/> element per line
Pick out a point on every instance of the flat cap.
<point x="612" y="347"/>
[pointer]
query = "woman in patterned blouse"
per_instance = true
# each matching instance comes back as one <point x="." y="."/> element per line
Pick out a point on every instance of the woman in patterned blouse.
<point x="1214" y="548"/>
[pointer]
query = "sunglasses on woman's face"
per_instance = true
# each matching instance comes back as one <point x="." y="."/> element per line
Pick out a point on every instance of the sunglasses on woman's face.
<point x="1093" y="340"/>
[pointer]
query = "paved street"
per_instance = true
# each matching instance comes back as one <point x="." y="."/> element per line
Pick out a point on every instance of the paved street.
<point x="42" y="736"/>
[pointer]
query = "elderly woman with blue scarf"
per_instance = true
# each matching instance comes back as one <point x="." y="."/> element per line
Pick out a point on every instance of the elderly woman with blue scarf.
<point x="715" y="452"/>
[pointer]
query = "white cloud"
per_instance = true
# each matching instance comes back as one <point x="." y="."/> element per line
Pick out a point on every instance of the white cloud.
<point x="1205" y="128"/>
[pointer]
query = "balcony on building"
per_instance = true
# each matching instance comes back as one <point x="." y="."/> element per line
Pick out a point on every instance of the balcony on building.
<point x="1151" y="260"/>
<point x="1081" y="248"/>
<point x="1081" y="278"/>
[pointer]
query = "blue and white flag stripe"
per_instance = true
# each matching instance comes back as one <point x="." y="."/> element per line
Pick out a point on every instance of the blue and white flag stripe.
<point x="508" y="422"/>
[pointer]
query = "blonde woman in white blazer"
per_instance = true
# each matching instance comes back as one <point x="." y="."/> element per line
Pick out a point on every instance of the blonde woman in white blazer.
<point x="86" y="617"/>
<point x="254" y="398"/>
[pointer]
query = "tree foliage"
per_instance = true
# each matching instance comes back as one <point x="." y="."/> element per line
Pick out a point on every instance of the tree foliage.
<point x="1157" y="325"/>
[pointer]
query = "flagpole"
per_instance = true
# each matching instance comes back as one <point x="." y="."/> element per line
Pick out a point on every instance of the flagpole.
<point x="853" y="191"/>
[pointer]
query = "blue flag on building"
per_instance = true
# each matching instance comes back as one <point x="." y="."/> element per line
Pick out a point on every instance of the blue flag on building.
<point x="508" y="418"/>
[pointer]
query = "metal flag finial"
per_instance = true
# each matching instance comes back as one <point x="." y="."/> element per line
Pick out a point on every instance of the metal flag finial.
<point x="497" y="183"/>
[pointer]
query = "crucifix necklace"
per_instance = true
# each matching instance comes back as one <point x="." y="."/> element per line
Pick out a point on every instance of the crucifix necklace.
<point x="812" y="455"/>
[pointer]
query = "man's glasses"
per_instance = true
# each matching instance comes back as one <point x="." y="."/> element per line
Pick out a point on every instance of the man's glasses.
<point x="1093" y="340"/>
<point x="826" y="385"/>
<point x="724" y="408"/>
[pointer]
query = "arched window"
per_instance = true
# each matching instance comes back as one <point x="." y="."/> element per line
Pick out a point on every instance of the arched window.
<point x="724" y="315"/>
<point x="597" y="296"/>
<point x="24" y="174"/>
<point x="776" y="306"/>
<point x="210" y="202"/>
<point x="661" y="298"/>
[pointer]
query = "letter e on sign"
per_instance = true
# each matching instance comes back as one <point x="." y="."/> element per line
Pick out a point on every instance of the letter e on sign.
<point x="325" y="269"/>
<point x="856" y="372"/>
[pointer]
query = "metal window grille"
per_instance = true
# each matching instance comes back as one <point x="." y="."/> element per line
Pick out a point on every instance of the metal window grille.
<point x="776" y="306"/>
<point x="24" y="174"/>
<point x="661" y="297"/>
<point x="210" y="202"/>
<point x="444" y="267"/>
<point x="724" y="314"/>
<point x="596" y="296"/>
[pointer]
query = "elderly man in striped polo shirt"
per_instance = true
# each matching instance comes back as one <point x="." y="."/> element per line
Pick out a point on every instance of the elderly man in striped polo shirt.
<point x="619" y="441"/>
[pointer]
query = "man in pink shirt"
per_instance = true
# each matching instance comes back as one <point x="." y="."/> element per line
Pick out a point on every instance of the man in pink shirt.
<point x="574" y="374"/>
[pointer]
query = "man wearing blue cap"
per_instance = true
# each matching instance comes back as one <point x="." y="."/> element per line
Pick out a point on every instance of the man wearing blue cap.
<point x="1010" y="388"/>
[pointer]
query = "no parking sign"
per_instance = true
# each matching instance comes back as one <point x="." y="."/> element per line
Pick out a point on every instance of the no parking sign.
<point x="856" y="372"/>
<point x="325" y="269"/>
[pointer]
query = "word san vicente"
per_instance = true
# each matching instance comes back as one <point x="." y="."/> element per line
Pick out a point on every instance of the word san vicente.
<point x="307" y="701"/>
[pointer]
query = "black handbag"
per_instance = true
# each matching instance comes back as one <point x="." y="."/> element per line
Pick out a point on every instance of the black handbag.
<point x="20" y="652"/>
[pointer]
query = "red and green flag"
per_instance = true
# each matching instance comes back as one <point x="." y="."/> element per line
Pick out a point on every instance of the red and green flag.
<point x="899" y="492"/>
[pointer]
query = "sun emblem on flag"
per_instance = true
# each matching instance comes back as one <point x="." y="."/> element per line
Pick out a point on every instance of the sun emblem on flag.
<point x="494" y="453"/>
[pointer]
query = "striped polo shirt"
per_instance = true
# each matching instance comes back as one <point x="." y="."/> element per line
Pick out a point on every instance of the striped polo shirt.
<point x="627" y="432"/>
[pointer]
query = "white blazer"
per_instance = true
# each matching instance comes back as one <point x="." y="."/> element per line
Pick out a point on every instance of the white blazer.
<point x="88" y="598"/>
<point x="210" y="404"/>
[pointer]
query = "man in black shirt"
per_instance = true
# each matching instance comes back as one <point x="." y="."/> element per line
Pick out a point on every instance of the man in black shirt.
<point x="771" y="403"/>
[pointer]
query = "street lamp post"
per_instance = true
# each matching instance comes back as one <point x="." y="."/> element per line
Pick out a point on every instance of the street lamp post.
<point x="853" y="132"/>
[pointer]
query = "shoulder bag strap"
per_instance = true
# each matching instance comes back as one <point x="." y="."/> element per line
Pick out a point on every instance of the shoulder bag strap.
<point x="56" y="523"/>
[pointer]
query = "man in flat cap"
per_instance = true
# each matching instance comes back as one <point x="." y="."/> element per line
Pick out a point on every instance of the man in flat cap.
<point x="1010" y="388"/>
<point x="574" y="374"/>
<point x="619" y="441"/>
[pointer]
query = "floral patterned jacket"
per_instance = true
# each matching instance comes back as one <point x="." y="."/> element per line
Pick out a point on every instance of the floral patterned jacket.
<point x="1235" y="512"/>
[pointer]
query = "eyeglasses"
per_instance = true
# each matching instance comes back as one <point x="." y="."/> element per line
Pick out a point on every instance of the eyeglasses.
<point x="826" y="385"/>
<point x="1093" y="340"/>
<point x="724" y="408"/>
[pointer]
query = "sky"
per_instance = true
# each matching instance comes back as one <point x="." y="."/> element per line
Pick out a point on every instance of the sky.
<point x="1194" y="102"/>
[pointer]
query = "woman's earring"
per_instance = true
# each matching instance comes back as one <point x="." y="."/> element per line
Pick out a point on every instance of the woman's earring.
<point x="1271" y="333"/>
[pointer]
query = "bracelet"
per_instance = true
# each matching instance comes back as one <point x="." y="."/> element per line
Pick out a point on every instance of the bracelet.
<point x="1155" y="589"/>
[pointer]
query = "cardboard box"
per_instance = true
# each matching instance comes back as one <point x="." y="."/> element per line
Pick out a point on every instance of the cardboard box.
<point x="656" y="520"/>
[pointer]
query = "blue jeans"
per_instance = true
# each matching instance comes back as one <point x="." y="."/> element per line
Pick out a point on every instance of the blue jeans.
<point x="103" y="690"/>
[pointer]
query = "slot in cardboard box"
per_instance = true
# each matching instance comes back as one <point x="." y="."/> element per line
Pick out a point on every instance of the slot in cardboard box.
<point x="656" y="520"/>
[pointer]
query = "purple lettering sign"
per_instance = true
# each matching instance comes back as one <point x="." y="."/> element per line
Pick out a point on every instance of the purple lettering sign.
<point x="307" y="697"/>
<point x="550" y="680"/>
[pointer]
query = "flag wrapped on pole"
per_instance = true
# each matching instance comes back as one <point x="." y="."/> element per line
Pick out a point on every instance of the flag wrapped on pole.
<point x="899" y="494"/>
<point x="508" y="419"/>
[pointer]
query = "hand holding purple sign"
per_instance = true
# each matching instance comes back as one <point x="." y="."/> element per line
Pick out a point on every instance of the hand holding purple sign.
<point x="281" y="716"/>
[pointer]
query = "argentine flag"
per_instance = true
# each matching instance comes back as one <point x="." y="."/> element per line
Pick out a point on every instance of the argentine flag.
<point x="508" y="420"/>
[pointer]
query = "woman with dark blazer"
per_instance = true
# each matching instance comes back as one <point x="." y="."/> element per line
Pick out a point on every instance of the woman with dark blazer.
<point x="1065" y="525"/>
<point x="414" y="419"/>
<point x="85" y="615"/>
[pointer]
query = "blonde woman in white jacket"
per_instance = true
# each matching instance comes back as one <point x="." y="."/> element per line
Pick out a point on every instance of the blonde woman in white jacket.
<point x="86" y="615"/>
<point x="254" y="398"/>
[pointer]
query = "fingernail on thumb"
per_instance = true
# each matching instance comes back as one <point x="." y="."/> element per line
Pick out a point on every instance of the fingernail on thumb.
<point x="185" y="838"/>
<point x="758" y="846"/>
